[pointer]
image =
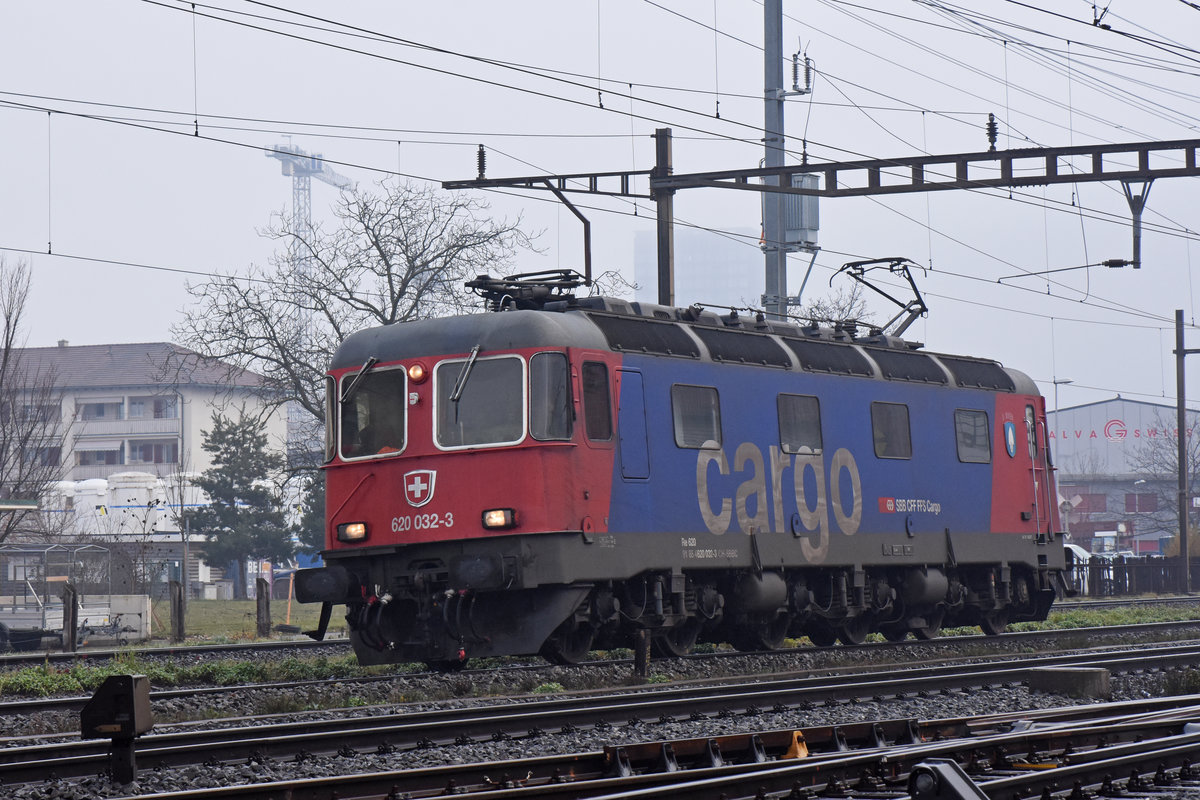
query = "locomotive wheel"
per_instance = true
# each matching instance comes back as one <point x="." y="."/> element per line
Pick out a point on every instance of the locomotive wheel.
<point x="994" y="622"/>
<point x="933" y="626"/>
<point x="570" y="643"/>
<point x="821" y="634"/>
<point x="854" y="630"/>
<point x="676" y="641"/>
<point x="763" y="635"/>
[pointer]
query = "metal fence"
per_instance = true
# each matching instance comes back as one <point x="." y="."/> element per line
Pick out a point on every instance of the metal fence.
<point x="32" y="577"/>
<point x="1129" y="575"/>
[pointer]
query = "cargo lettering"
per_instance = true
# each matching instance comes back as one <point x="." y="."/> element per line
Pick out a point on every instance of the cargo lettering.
<point x="758" y="501"/>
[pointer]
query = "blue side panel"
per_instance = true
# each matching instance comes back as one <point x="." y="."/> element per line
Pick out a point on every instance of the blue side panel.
<point x="845" y="489"/>
<point x="631" y="427"/>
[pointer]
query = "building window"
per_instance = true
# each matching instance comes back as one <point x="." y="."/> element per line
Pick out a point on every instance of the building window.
<point x="697" y="413"/>
<point x="107" y="411"/>
<point x="153" y="453"/>
<point x="44" y="413"/>
<point x="95" y="458"/>
<point x="44" y="456"/>
<point x="973" y="436"/>
<point x="799" y="423"/>
<point x="163" y="407"/>
<point x="889" y="426"/>
<point x="1094" y="502"/>
<point x="1140" y="503"/>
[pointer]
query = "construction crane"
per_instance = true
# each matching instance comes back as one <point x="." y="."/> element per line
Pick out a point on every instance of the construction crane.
<point x="302" y="167"/>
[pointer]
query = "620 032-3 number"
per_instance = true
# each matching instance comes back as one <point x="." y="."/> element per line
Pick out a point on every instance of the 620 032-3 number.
<point x="422" y="522"/>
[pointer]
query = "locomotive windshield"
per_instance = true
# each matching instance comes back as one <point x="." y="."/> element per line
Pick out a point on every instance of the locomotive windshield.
<point x="490" y="408"/>
<point x="373" y="418"/>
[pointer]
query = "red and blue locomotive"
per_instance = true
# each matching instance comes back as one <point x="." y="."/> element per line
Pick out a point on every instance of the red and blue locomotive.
<point x="570" y="471"/>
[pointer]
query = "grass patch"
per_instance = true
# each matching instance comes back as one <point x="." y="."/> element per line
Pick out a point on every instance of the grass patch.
<point x="83" y="678"/>
<point x="1063" y="617"/>
<point x="236" y="620"/>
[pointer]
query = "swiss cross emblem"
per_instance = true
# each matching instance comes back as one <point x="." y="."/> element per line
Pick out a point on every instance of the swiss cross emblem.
<point x="418" y="486"/>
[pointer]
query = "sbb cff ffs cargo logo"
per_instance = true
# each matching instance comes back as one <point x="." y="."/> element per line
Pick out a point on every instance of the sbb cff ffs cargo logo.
<point x="418" y="486"/>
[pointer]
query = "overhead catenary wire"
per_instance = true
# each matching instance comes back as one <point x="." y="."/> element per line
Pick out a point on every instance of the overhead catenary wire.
<point x="426" y="179"/>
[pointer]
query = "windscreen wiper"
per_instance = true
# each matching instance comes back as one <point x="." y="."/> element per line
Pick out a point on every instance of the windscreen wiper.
<point x="358" y="378"/>
<point x="461" y="383"/>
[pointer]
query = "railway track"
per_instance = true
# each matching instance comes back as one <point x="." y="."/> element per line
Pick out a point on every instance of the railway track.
<point x="533" y="718"/>
<point x="14" y="660"/>
<point x="1117" y="748"/>
<point x="878" y="649"/>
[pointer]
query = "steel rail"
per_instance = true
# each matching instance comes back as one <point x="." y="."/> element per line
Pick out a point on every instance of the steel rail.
<point x="23" y="764"/>
<point x="9" y="660"/>
<point x="759" y="763"/>
<point x="26" y="706"/>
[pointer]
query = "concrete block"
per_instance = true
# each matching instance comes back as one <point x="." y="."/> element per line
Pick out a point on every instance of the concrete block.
<point x="1072" y="681"/>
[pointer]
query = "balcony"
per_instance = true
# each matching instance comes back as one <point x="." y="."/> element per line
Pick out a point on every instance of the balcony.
<point x="78" y="473"/>
<point x="140" y="427"/>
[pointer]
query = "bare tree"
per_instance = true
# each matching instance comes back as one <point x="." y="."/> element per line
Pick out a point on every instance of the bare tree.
<point x="399" y="252"/>
<point x="846" y="304"/>
<point x="1156" y="461"/>
<point x="31" y="415"/>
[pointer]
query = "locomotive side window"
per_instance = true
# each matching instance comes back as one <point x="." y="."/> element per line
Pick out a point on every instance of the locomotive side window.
<point x="799" y="424"/>
<point x="549" y="397"/>
<point x="973" y="435"/>
<point x="597" y="402"/>
<point x="889" y="425"/>
<point x="330" y="418"/>
<point x="374" y="417"/>
<point x="697" y="414"/>
<point x="1031" y="431"/>
<point x="480" y="401"/>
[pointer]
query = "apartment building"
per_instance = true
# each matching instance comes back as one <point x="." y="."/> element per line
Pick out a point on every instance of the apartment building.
<point x="143" y="407"/>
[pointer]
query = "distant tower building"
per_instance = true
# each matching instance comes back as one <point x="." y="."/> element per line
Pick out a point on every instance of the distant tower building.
<point x="718" y="268"/>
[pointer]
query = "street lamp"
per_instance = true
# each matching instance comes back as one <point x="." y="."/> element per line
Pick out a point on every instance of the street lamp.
<point x="1057" y="383"/>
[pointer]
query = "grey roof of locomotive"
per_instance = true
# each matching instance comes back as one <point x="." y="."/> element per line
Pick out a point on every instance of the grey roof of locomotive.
<point x="593" y="329"/>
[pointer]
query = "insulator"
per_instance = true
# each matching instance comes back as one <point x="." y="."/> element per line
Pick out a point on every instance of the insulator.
<point x="993" y="131"/>
<point x="481" y="162"/>
<point x="808" y="74"/>
<point x="796" y="72"/>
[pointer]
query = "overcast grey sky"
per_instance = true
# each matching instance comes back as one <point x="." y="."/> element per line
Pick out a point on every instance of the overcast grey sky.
<point x="99" y="102"/>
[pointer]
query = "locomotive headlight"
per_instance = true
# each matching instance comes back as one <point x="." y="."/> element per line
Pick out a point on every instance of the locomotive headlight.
<point x="352" y="531"/>
<point x="417" y="373"/>
<point x="499" y="518"/>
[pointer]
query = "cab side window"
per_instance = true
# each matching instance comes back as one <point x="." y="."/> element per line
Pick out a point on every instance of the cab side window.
<point x="973" y="435"/>
<point x="696" y="411"/>
<point x="799" y="424"/>
<point x="597" y="401"/>
<point x="890" y="428"/>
